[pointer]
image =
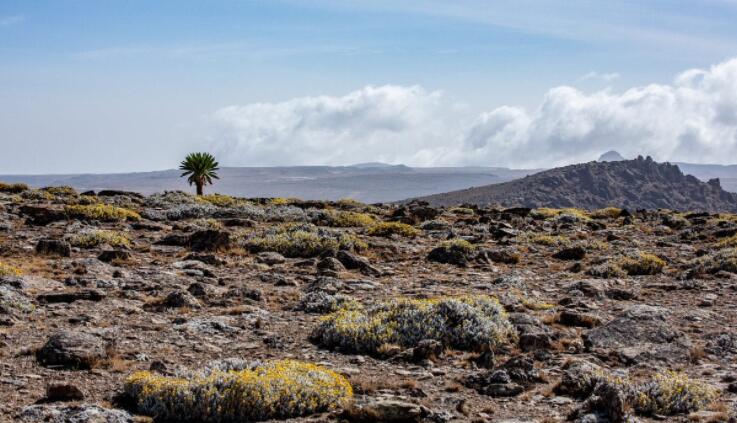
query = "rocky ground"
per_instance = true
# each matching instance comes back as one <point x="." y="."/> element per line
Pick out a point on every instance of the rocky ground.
<point x="610" y="315"/>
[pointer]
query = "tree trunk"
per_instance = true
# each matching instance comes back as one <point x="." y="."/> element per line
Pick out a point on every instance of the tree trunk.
<point x="199" y="188"/>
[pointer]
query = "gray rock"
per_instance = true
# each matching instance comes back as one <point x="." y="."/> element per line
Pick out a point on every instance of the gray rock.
<point x="269" y="257"/>
<point x="53" y="247"/>
<point x="72" y="350"/>
<point x="85" y="413"/>
<point x="642" y="333"/>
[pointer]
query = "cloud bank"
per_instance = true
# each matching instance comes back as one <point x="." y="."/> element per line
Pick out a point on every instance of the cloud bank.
<point x="692" y="119"/>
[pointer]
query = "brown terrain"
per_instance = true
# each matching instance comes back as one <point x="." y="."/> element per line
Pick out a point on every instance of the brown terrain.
<point x="602" y="315"/>
<point x="634" y="184"/>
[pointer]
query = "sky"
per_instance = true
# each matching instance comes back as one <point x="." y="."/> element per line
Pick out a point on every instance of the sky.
<point x="118" y="86"/>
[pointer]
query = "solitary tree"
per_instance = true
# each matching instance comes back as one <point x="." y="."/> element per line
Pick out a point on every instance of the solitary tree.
<point x="201" y="168"/>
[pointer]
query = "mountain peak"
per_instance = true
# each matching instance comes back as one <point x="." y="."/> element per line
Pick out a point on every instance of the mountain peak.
<point x="641" y="183"/>
<point x="611" y="156"/>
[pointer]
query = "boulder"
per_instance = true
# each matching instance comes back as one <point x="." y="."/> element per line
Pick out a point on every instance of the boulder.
<point x="641" y="333"/>
<point x="53" y="247"/>
<point x="72" y="350"/>
<point x="209" y="240"/>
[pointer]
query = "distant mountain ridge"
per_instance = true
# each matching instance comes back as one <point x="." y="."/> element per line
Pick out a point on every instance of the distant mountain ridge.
<point x="635" y="184"/>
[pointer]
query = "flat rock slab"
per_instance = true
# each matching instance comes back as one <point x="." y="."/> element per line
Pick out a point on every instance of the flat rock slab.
<point x="641" y="333"/>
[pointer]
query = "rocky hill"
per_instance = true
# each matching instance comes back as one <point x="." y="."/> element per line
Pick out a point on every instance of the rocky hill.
<point x="633" y="184"/>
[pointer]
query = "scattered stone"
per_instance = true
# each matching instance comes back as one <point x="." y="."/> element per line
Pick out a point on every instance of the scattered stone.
<point x="271" y="258"/>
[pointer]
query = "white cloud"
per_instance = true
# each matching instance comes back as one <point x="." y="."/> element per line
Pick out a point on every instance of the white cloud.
<point x="388" y="123"/>
<point x="692" y="119"/>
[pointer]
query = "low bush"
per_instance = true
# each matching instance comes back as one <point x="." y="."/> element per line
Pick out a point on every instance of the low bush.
<point x="672" y="393"/>
<point x="606" y="213"/>
<point x="608" y="270"/>
<point x="8" y="270"/>
<point x="387" y="229"/>
<point x="95" y="238"/>
<point x="462" y="211"/>
<point x="722" y="260"/>
<point x="13" y="188"/>
<point x="280" y="201"/>
<point x="466" y="323"/>
<point x="61" y="191"/>
<point x="219" y="200"/>
<point x="274" y="390"/>
<point x="102" y="212"/>
<point x="547" y="213"/>
<point x="455" y="251"/>
<point x="667" y="393"/>
<point x="303" y="240"/>
<point x="348" y="219"/>
<point x="642" y="264"/>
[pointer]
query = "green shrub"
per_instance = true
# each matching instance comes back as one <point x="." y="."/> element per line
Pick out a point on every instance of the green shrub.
<point x="672" y="393"/>
<point x="642" y="264"/>
<point x="546" y="213"/>
<point x="722" y="260"/>
<point x="281" y="201"/>
<point x="667" y="393"/>
<point x="388" y="229"/>
<point x="61" y="191"/>
<point x="349" y="203"/>
<point x="300" y="240"/>
<point x="608" y="270"/>
<point x="99" y="237"/>
<point x="606" y="213"/>
<point x="13" y="188"/>
<point x="37" y="194"/>
<point x="219" y="200"/>
<point x="467" y="323"/>
<point x="462" y="210"/>
<point x="103" y="212"/>
<point x="274" y="390"/>
<point x="8" y="270"/>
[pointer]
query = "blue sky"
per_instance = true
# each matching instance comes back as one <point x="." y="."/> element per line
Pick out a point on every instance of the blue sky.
<point x="108" y="86"/>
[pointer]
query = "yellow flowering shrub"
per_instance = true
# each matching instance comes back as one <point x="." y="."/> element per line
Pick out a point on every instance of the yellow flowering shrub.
<point x="103" y="212"/>
<point x="274" y="390"/>
<point x="387" y="229"/>
<point x="98" y="237"/>
<point x="8" y="270"/>
<point x="467" y="323"/>
<point x="348" y="219"/>
<point x="219" y="200"/>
